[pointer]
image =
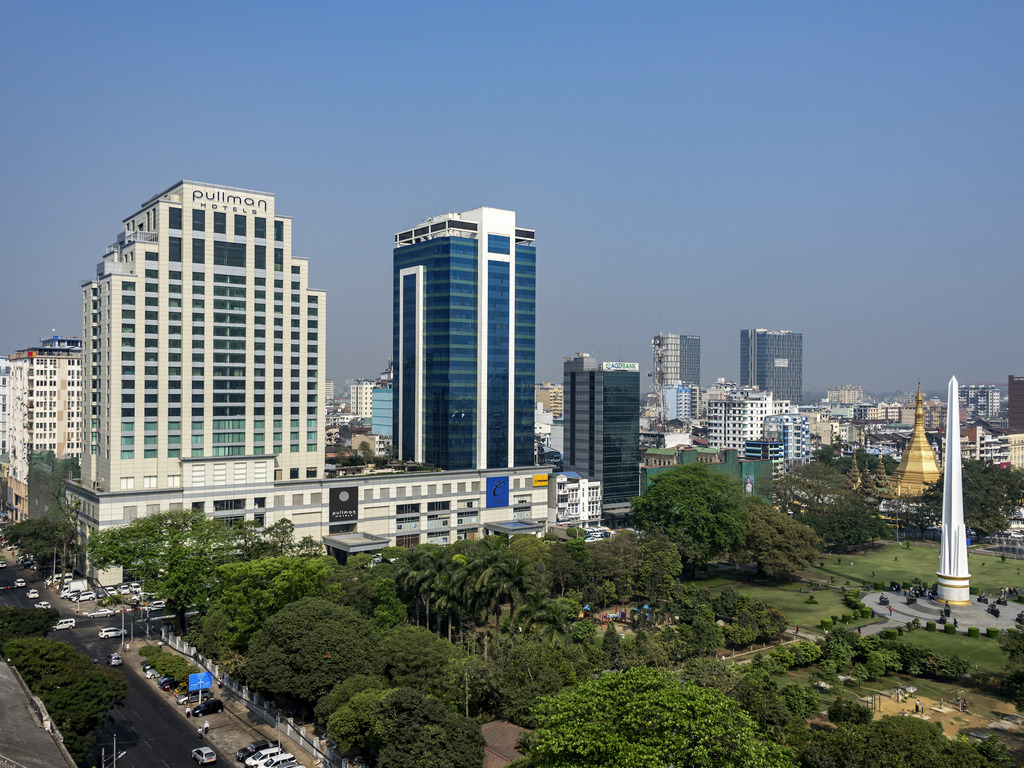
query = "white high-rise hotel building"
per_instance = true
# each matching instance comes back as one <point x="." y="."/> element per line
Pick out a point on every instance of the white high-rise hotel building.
<point x="203" y="347"/>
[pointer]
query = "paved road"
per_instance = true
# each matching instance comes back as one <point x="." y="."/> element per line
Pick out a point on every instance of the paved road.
<point x="149" y="727"/>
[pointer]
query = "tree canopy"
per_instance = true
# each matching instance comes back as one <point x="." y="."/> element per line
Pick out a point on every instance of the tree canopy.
<point x="308" y="646"/>
<point x="991" y="495"/>
<point x="76" y="692"/>
<point x="646" y="719"/>
<point x="173" y="553"/>
<point x="701" y="510"/>
<point x="778" y="544"/>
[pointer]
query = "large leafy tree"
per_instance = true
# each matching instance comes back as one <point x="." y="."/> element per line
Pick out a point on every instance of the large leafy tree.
<point x="646" y="719"/>
<point x="414" y="730"/>
<point x="76" y="692"/>
<point x="701" y="510"/>
<point x="25" y="622"/>
<point x="308" y="646"/>
<point x="991" y="495"/>
<point x="777" y="543"/>
<point x="174" y="554"/>
<point x="251" y="592"/>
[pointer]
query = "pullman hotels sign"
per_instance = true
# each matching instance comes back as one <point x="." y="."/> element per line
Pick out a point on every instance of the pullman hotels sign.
<point x="343" y="504"/>
<point x="226" y="200"/>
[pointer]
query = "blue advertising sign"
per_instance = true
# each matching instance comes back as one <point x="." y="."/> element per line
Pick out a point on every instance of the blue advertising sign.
<point x="200" y="682"/>
<point x="497" y="491"/>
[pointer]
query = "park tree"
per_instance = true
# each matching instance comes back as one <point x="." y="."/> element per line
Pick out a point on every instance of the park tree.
<point x="250" y="592"/>
<point x="414" y="730"/>
<point x="845" y="522"/>
<point x="778" y="544"/>
<point x="991" y="495"/>
<point x="647" y="719"/>
<point x="173" y="554"/>
<point x="342" y="692"/>
<point x="701" y="510"/>
<point x="76" y="692"/>
<point x="415" y="658"/>
<point x="304" y="649"/>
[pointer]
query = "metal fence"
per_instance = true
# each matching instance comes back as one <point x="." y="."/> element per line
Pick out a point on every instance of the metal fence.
<point x="321" y="750"/>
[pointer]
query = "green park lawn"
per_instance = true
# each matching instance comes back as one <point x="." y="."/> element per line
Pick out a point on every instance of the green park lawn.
<point x="897" y="563"/>
<point x="982" y="653"/>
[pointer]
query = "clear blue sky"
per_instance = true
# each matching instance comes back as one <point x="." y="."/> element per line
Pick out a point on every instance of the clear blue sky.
<point x="849" y="170"/>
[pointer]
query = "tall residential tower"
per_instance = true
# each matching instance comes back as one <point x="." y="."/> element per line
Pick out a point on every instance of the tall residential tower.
<point x="464" y="341"/>
<point x="773" y="361"/>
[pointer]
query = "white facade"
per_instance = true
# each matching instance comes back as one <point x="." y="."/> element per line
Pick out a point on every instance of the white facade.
<point x="5" y="400"/>
<point x="737" y="415"/>
<point x="846" y="393"/>
<point x="46" y="386"/>
<point x="349" y="514"/>
<point x="574" y="499"/>
<point x="360" y="398"/>
<point x="203" y="341"/>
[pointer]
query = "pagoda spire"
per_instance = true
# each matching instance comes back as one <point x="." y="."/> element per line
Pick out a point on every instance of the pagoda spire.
<point x="918" y="467"/>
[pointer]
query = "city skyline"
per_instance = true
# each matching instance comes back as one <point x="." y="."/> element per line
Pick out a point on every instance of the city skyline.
<point x="819" y="168"/>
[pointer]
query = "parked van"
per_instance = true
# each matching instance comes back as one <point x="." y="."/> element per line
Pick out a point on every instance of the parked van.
<point x="261" y="757"/>
<point x="278" y="760"/>
<point x="64" y="624"/>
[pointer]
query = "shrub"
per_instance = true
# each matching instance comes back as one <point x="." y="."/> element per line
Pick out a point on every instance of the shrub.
<point x="847" y="618"/>
<point x="844" y="710"/>
<point x="866" y="613"/>
<point x="949" y="629"/>
<point x="782" y="657"/>
<point x="993" y="632"/>
<point x="906" y="585"/>
<point x="826" y="624"/>
<point x="810" y="600"/>
<point x="974" y="590"/>
<point x="879" y="586"/>
<point x="890" y="634"/>
<point x="973" y="632"/>
<point x="930" y="626"/>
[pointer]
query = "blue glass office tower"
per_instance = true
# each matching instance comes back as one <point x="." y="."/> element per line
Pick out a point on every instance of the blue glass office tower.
<point x="773" y="361"/>
<point x="464" y="341"/>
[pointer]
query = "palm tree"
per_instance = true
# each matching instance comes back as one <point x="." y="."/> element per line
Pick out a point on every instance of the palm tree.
<point x="507" y="578"/>
<point x="545" y="617"/>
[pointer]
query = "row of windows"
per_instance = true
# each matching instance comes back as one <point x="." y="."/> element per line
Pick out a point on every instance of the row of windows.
<point x="220" y="223"/>
<point x="218" y="450"/>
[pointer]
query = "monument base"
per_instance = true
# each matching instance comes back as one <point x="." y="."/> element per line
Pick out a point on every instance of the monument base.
<point x="955" y="590"/>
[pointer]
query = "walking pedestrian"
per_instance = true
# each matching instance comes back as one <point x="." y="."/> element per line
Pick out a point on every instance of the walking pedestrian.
<point x="956" y="624"/>
<point x="188" y="712"/>
<point x="890" y="610"/>
<point x="206" y="727"/>
<point x="199" y="732"/>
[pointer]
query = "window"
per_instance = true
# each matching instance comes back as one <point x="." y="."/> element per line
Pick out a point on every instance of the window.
<point x="198" y="220"/>
<point x="174" y="218"/>
<point x="239" y="225"/>
<point x="220" y="223"/>
<point x="198" y="251"/>
<point x="260" y="227"/>
<point x="279" y="231"/>
<point x="498" y="244"/>
<point x="174" y="248"/>
<point x="228" y="254"/>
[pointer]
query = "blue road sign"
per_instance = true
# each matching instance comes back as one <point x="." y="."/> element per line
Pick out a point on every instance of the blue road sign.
<point x="200" y="682"/>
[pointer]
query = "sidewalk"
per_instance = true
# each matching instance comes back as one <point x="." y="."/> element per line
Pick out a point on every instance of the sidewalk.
<point x="230" y="730"/>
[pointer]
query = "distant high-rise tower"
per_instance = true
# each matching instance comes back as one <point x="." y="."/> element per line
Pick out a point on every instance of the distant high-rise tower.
<point x="1015" y="403"/>
<point x="464" y="341"/>
<point x="46" y="385"/>
<point x="773" y="361"/>
<point x="676" y="358"/>
<point x="601" y="432"/>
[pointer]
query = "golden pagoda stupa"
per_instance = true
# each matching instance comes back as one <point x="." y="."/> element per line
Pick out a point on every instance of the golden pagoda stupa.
<point x="918" y="467"/>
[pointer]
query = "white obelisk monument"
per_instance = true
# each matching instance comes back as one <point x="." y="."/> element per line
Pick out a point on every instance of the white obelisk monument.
<point x="954" y="580"/>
